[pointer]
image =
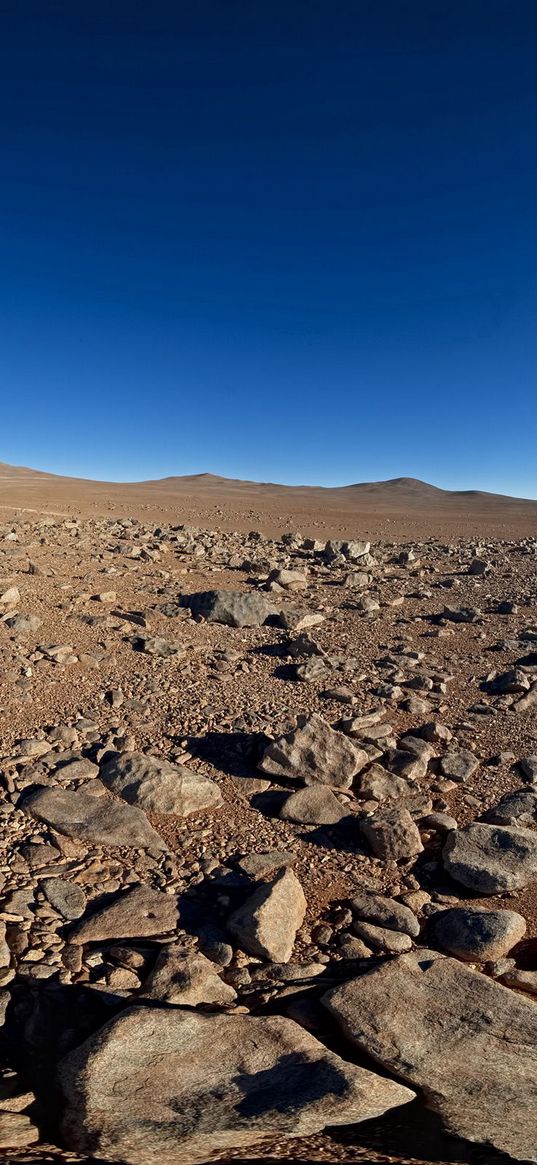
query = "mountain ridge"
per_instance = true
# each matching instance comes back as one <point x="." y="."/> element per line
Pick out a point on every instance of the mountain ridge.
<point x="416" y="486"/>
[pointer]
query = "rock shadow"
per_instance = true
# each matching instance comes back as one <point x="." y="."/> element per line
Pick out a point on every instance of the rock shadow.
<point x="291" y="1084"/>
<point x="235" y="753"/>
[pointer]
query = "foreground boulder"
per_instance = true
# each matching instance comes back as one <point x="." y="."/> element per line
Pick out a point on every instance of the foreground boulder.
<point x="96" y="820"/>
<point x="468" y="1043"/>
<point x="159" y="787"/>
<point x="267" y="923"/>
<point x="314" y="753"/>
<point x="159" y="1085"/>
<point x="490" y="858"/>
<point x="233" y="608"/>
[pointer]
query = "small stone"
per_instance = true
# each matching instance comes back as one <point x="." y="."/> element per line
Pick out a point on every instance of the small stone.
<point x="392" y="834"/>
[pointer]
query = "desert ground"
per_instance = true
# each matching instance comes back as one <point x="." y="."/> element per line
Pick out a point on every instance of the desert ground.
<point x="268" y="856"/>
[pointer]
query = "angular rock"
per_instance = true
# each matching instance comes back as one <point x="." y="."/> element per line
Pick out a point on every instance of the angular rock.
<point x="96" y="820"/>
<point x="381" y="938"/>
<point x="392" y="834"/>
<point x="458" y="766"/>
<point x="314" y="805"/>
<point x="528" y="766"/>
<point x="261" y="865"/>
<point x="157" y="645"/>
<point x="491" y="858"/>
<point x="314" y="753"/>
<point x="519" y="806"/>
<point x="527" y="702"/>
<point x="174" y="1086"/>
<point x="468" y="1043"/>
<point x="139" y="913"/>
<point x="289" y="580"/>
<point x="461" y="614"/>
<point x="475" y="934"/>
<point x="17" y="1130"/>
<point x="377" y="784"/>
<point x="521" y="980"/>
<point x="12" y="595"/>
<point x="266" y="924"/>
<point x="234" y="608"/>
<point x="386" y="912"/>
<point x="186" y="979"/>
<point x="157" y="786"/>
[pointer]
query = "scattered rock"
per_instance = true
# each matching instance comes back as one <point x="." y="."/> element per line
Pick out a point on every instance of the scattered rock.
<point x="490" y="858"/>
<point x="267" y="923"/>
<point x="314" y="753"/>
<point x="233" y="608"/>
<point x="475" y="934"/>
<point x="157" y="786"/>
<point x="92" y="819"/>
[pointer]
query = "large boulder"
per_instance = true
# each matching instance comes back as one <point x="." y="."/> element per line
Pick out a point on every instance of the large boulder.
<point x="266" y="924"/>
<point x="159" y="787"/>
<point x="234" y="608"/>
<point x="467" y="1042"/>
<point x="314" y="754"/>
<point x="491" y="858"/>
<point x="173" y="1085"/>
<point x="96" y="820"/>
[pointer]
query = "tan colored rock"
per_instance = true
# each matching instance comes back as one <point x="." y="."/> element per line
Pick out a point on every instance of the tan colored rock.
<point x="314" y="805"/>
<point x="267" y="923"/>
<point x="314" y="753"/>
<point x="175" y="1086"/>
<point x="392" y="834"/>
<point x="156" y="786"/>
<point x="139" y="913"/>
<point x="17" y="1130"/>
<point x="468" y="1043"/>
<point x="491" y="858"/>
<point x="96" y="820"/>
<point x="186" y="979"/>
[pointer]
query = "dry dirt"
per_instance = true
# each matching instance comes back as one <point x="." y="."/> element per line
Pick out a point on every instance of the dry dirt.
<point x="211" y="705"/>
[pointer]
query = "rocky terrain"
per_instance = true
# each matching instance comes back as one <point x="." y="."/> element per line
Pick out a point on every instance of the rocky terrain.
<point x="268" y="849"/>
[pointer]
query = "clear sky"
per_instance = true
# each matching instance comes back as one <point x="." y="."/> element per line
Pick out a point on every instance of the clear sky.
<point x="287" y="240"/>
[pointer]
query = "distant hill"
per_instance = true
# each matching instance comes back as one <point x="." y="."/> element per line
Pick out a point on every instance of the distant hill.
<point x="401" y="505"/>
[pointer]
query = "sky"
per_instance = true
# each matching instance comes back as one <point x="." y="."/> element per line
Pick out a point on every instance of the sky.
<point x="287" y="241"/>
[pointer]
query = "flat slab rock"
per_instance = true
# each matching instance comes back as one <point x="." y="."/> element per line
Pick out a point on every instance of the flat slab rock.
<point x="491" y="858"/>
<point x="314" y="753"/>
<point x="234" y="608"/>
<point x="468" y="1043"/>
<point x="149" y="1087"/>
<point x="157" y="786"/>
<point x="140" y="913"/>
<point x="92" y="819"/>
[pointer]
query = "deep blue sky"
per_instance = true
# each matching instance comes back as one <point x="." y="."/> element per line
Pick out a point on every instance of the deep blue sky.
<point x="281" y="240"/>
